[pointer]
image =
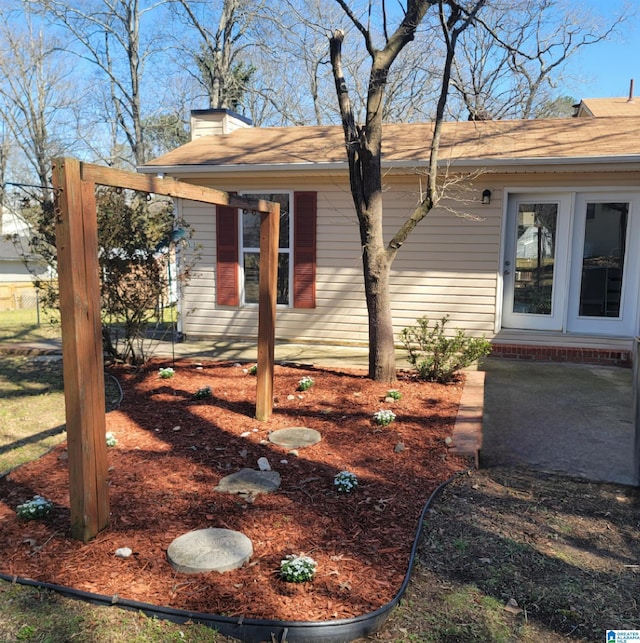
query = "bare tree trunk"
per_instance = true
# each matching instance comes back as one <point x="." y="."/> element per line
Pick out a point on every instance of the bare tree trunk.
<point x="377" y="271"/>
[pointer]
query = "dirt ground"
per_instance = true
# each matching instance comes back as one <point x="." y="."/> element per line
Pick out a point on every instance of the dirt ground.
<point x="173" y="449"/>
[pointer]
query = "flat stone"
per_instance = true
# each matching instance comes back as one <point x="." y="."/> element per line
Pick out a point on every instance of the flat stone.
<point x="249" y="482"/>
<point x="295" y="437"/>
<point x="209" y="550"/>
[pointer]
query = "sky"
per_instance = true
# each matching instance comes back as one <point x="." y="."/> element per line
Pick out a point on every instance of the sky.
<point x="604" y="70"/>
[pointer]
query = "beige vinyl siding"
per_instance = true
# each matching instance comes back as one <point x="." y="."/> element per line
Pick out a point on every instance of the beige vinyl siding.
<point x="447" y="266"/>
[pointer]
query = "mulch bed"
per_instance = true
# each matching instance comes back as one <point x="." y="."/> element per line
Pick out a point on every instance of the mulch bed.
<point x="172" y="450"/>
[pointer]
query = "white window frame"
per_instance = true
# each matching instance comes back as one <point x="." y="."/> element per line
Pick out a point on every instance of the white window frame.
<point x="242" y="249"/>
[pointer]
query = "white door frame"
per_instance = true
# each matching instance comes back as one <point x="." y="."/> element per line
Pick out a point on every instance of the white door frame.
<point x="523" y="320"/>
<point x="627" y="322"/>
<point x="567" y="276"/>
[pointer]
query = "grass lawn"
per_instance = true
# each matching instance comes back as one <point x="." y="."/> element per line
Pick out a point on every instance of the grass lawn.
<point x="31" y="408"/>
<point x="25" y="326"/>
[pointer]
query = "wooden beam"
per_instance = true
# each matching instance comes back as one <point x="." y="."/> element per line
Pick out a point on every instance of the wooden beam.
<point x="169" y="187"/>
<point x="267" y="290"/>
<point x="78" y="276"/>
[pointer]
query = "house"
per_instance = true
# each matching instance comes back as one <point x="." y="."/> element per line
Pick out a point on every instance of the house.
<point x="18" y="265"/>
<point x="536" y="243"/>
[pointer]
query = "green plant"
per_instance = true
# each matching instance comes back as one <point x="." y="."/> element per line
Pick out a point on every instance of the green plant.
<point x="345" y="482"/>
<point x="202" y="393"/>
<point x="167" y="373"/>
<point x="297" y="569"/>
<point x="39" y="507"/>
<point x="305" y="384"/>
<point x="384" y="417"/>
<point x="394" y="394"/>
<point x="437" y="357"/>
<point x="253" y="370"/>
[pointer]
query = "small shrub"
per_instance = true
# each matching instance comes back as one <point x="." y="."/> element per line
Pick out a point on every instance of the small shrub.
<point x="305" y="384"/>
<point x="167" y="373"/>
<point x="297" y="569"/>
<point x="111" y="439"/>
<point x="394" y="394"/>
<point x="253" y="370"/>
<point x="39" y="507"/>
<point x="202" y="393"/>
<point x="436" y="357"/>
<point x="384" y="417"/>
<point x="345" y="482"/>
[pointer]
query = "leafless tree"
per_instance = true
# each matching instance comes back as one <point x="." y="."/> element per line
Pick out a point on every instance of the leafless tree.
<point x="364" y="143"/>
<point x="216" y="54"/>
<point x="511" y="67"/>
<point x="36" y="102"/>
<point x="108" y="35"/>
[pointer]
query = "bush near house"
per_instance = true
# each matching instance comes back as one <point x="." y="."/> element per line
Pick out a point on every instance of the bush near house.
<point x="436" y="357"/>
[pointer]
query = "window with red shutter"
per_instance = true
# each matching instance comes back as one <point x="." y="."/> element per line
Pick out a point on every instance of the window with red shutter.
<point x="238" y="252"/>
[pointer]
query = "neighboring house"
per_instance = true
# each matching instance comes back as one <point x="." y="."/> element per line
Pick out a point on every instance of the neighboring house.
<point x="17" y="265"/>
<point x="536" y="243"/>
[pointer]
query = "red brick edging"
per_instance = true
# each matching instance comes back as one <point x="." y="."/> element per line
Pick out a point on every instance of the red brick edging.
<point x="602" y="356"/>
<point x="467" y="431"/>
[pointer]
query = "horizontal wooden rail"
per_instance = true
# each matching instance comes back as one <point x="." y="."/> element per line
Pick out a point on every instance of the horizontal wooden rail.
<point x="169" y="187"/>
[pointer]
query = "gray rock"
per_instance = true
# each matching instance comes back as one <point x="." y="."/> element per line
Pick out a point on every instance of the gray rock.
<point x="250" y="483"/>
<point x="207" y="550"/>
<point x="295" y="437"/>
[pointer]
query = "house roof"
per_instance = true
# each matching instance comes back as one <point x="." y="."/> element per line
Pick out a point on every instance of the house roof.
<point x="609" y="107"/>
<point x="484" y="143"/>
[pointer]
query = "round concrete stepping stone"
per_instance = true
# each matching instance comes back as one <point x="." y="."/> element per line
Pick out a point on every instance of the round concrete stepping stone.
<point x="209" y="550"/>
<point x="295" y="437"/>
<point x="250" y="482"/>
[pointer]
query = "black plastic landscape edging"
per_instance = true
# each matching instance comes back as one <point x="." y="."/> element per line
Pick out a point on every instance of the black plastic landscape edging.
<point x="252" y="630"/>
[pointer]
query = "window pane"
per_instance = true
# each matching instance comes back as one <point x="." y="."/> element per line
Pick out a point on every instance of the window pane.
<point x="605" y="236"/>
<point x="283" y="200"/>
<point x="535" y="258"/>
<point x="250" y="230"/>
<point x="252" y="278"/>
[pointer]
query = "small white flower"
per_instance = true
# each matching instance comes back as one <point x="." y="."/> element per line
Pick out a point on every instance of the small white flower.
<point x="297" y="569"/>
<point x="305" y="383"/>
<point x="36" y="508"/>
<point x="111" y="439"/>
<point x="345" y="482"/>
<point x="384" y="417"/>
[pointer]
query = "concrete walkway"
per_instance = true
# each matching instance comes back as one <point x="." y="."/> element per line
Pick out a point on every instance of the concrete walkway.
<point x="568" y="418"/>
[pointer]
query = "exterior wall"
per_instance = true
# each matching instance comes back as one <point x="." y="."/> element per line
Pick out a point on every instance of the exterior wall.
<point x="448" y="266"/>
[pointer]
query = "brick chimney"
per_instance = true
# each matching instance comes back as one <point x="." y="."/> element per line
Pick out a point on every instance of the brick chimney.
<point x="215" y="122"/>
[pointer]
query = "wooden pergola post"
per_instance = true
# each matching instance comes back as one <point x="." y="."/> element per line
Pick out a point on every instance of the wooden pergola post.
<point x="267" y="291"/>
<point x="79" y="283"/>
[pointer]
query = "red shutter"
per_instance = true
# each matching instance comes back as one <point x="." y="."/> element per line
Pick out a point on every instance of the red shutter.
<point x="304" y="249"/>
<point x="227" y="290"/>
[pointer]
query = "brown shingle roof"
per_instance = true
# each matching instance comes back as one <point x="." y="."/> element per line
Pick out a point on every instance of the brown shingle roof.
<point x="489" y="141"/>
<point x="609" y="107"/>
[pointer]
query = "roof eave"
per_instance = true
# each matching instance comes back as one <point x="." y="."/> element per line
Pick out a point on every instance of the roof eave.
<point x="199" y="169"/>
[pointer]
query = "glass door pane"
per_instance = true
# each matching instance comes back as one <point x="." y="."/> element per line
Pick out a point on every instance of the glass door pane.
<point x="535" y="259"/>
<point x="605" y="236"/>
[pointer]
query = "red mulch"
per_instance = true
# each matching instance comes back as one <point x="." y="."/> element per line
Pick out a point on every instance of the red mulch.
<point x="162" y="481"/>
